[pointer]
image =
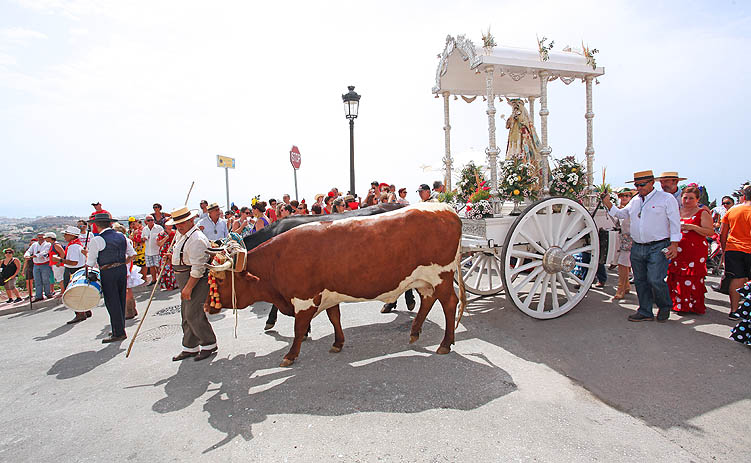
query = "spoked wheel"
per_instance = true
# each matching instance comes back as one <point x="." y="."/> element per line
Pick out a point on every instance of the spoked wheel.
<point x="481" y="271"/>
<point x="541" y="272"/>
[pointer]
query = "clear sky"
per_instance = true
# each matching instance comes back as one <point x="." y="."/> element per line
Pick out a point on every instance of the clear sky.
<point x="127" y="102"/>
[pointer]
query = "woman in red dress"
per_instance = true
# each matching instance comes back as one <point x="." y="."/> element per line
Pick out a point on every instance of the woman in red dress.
<point x="687" y="271"/>
<point x="168" y="281"/>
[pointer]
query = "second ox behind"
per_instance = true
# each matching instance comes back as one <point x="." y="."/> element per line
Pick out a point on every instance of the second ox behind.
<point x="316" y="266"/>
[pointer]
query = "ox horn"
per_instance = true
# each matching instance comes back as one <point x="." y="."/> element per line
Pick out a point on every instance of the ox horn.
<point x="223" y="267"/>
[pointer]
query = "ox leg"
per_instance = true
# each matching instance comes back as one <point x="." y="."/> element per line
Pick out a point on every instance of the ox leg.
<point x="302" y="323"/>
<point x="426" y="304"/>
<point x="335" y="318"/>
<point x="447" y="297"/>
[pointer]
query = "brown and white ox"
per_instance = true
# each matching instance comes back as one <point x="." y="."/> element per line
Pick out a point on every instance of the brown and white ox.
<point x="316" y="266"/>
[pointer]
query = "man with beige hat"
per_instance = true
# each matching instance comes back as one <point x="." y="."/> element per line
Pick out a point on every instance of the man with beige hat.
<point x="655" y="231"/>
<point x="189" y="259"/>
<point x="669" y="184"/>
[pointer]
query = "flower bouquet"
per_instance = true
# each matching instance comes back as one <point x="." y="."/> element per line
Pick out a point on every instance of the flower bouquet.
<point x="471" y="177"/>
<point x="518" y="180"/>
<point x="480" y="209"/>
<point x="479" y="205"/>
<point x="568" y="179"/>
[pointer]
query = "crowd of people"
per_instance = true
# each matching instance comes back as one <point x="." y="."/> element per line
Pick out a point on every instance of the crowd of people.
<point x="662" y="243"/>
<point x="663" y="240"/>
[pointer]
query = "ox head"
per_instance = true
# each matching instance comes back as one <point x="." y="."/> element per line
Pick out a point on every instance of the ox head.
<point x="231" y="277"/>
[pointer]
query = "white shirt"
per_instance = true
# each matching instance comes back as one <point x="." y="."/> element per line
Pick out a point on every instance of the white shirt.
<point x="150" y="237"/>
<point x="84" y="237"/>
<point x="653" y="218"/>
<point x="39" y="252"/>
<point x="98" y="243"/>
<point x="192" y="248"/>
<point x="73" y="252"/>
<point x="214" y="231"/>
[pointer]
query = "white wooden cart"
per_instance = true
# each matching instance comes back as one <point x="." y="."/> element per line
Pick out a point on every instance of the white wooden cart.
<point x="532" y="255"/>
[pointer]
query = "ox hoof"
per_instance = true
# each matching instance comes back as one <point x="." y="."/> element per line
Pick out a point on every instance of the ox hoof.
<point x="413" y="338"/>
<point x="335" y="350"/>
<point x="443" y="350"/>
<point x="286" y="363"/>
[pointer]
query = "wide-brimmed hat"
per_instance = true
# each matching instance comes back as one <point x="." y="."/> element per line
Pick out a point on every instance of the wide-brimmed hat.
<point x="642" y="175"/>
<point x="181" y="215"/>
<point x="102" y="217"/>
<point x="625" y="191"/>
<point x="319" y="196"/>
<point x="670" y="175"/>
<point x="212" y="206"/>
<point x="71" y="230"/>
<point x="50" y="235"/>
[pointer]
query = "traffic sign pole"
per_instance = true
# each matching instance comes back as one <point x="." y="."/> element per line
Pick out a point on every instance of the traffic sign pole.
<point x="294" y="159"/>
<point x="226" y="181"/>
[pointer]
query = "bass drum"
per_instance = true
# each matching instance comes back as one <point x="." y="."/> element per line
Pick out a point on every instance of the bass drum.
<point x="82" y="294"/>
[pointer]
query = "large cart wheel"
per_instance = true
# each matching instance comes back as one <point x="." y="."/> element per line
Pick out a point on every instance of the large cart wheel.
<point x="481" y="271"/>
<point x="540" y="264"/>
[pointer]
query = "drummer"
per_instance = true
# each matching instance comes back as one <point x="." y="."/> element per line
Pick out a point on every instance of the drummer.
<point x="189" y="259"/>
<point x="109" y="249"/>
<point x="73" y="261"/>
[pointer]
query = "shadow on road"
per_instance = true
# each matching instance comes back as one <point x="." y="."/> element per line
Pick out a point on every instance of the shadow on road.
<point x="83" y="362"/>
<point x="376" y="372"/>
<point x="663" y="373"/>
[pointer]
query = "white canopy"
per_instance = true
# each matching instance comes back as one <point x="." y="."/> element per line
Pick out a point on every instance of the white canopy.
<point x="515" y="70"/>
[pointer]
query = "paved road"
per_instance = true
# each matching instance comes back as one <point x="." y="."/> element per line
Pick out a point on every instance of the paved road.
<point x="587" y="386"/>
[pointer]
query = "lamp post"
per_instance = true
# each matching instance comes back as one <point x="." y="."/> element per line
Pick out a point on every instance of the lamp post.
<point x="351" y="105"/>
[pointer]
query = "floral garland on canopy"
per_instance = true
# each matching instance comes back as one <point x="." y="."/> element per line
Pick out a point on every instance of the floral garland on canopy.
<point x="519" y="180"/>
<point x="568" y="179"/>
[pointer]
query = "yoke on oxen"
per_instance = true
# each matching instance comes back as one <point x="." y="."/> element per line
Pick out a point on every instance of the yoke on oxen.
<point x="316" y="266"/>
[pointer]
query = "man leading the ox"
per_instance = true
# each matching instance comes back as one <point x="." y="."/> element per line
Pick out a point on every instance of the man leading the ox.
<point x="189" y="259"/>
<point x="655" y="225"/>
<point x="110" y="250"/>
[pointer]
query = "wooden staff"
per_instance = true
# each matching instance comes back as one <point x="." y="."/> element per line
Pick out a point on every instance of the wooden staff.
<point x="153" y="290"/>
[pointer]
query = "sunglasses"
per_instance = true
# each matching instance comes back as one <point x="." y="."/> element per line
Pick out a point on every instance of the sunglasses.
<point x="9" y="252"/>
<point x="149" y="220"/>
<point x="640" y="184"/>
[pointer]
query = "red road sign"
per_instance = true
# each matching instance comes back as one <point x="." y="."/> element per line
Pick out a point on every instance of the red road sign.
<point x="294" y="157"/>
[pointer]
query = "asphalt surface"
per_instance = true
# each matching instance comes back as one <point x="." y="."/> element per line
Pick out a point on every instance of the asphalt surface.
<point x="588" y="386"/>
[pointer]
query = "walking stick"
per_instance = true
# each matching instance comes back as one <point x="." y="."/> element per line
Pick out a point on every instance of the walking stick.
<point x="153" y="290"/>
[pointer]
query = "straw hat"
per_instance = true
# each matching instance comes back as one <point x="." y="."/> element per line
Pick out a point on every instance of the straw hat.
<point x="181" y="215"/>
<point x="212" y="206"/>
<point x="625" y="191"/>
<point x="50" y="235"/>
<point x="642" y="175"/>
<point x="319" y="197"/>
<point x="670" y="175"/>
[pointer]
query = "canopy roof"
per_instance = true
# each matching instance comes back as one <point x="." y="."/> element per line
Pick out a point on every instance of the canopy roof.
<point x="461" y="70"/>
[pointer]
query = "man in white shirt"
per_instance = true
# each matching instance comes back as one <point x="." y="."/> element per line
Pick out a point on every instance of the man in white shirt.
<point x="214" y="227"/>
<point x="150" y="233"/>
<point x="189" y="259"/>
<point x="84" y="235"/>
<point x="40" y="255"/>
<point x="73" y="261"/>
<point x="656" y="231"/>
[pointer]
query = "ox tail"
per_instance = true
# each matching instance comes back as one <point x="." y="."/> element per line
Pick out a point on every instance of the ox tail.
<point x="462" y="290"/>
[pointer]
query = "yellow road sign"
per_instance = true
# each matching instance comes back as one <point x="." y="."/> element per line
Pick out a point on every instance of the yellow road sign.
<point x="225" y="161"/>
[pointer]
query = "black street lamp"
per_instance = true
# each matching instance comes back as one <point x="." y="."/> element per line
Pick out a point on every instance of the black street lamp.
<point x="351" y="105"/>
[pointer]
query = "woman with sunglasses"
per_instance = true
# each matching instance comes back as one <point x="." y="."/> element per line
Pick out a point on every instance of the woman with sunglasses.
<point x="244" y="225"/>
<point x="339" y="206"/>
<point x="9" y="268"/>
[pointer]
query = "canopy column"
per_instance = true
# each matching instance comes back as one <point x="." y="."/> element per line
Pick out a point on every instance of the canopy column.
<point x="492" y="150"/>
<point x="545" y="151"/>
<point x="532" y="109"/>
<point x="447" y="161"/>
<point x="590" y="151"/>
